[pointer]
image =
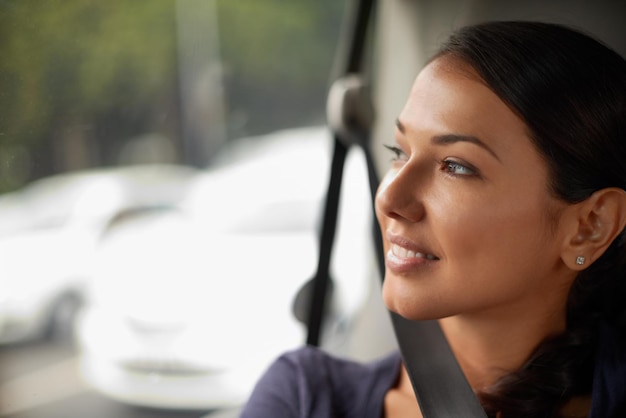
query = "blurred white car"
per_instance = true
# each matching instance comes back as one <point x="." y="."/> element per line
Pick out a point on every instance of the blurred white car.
<point x="189" y="305"/>
<point x="48" y="231"/>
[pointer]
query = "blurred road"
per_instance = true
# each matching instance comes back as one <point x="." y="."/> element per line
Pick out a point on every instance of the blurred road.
<point x="41" y="380"/>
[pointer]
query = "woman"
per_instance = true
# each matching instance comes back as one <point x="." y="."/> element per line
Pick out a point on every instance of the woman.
<point x="502" y="216"/>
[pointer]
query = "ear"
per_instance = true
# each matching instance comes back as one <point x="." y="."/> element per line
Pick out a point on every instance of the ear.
<point x="592" y="226"/>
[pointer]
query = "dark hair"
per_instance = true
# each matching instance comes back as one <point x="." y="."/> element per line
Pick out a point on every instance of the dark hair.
<point x="570" y="90"/>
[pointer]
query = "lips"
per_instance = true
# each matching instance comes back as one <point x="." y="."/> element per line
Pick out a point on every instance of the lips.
<point x="405" y="255"/>
<point x="402" y="252"/>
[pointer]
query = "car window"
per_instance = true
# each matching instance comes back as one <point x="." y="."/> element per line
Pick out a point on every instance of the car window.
<point x="163" y="166"/>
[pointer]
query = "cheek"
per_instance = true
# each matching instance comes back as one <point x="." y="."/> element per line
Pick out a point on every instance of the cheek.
<point x="492" y="258"/>
<point x="502" y="236"/>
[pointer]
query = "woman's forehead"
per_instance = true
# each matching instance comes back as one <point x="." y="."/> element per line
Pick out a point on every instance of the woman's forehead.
<point x="449" y="94"/>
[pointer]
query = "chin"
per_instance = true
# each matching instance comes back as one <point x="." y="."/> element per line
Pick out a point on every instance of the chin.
<point x="404" y="303"/>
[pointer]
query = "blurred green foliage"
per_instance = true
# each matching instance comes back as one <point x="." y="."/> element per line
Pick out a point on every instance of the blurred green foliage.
<point x="281" y="52"/>
<point x="97" y="73"/>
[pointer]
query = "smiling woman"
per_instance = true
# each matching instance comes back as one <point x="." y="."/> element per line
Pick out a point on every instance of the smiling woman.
<point x="499" y="222"/>
<point x="433" y="202"/>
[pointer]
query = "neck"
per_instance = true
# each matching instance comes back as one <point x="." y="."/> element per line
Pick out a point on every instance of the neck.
<point x="489" y="346"/>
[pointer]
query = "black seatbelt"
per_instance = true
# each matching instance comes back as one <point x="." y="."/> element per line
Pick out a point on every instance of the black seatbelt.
<point x="355" y="34"/>
<point x="439" y="384"/>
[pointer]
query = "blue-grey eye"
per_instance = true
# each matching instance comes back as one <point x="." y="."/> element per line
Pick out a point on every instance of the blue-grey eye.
<point x="457" y="169"/>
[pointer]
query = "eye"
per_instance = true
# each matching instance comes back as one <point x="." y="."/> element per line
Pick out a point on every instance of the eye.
<point x="456" y="168"/>
<point x="398" y="154"/>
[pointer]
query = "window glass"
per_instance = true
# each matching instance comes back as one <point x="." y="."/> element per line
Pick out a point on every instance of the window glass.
<point x="163" y="166"/>
<point x="89" y="84"/>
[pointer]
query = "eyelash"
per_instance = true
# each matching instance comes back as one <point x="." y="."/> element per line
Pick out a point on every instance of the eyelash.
<point x="445" y="165"/>
<point x="398" y="154"/>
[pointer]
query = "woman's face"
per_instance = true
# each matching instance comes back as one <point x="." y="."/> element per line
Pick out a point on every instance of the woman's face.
<point x="468" y="222"/>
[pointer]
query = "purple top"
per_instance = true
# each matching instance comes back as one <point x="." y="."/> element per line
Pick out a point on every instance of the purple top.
<point x="309" y="383"/>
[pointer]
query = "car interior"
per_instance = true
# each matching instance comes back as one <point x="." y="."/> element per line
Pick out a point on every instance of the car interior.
<point x="381" y="47"/>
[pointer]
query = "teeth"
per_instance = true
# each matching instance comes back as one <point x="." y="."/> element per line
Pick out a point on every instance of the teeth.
<point x="402" y="252"/>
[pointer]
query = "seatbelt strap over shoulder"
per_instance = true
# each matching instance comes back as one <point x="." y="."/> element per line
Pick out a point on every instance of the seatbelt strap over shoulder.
<point x="439" y="384"/>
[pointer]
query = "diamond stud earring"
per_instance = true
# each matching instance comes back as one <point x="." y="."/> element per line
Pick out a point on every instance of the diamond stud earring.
<point x="580" y="260"/>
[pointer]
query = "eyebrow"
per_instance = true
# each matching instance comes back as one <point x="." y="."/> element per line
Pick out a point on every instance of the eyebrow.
<point x="447" y="139"/>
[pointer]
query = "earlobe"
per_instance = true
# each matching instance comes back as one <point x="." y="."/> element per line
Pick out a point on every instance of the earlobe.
<point x="595" y="223"/>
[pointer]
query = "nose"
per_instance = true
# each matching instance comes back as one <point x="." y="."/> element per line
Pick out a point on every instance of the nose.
<point x="397" y="197"/>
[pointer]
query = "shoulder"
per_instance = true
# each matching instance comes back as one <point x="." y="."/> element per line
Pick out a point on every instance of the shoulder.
<point x="309" y="379"/>
<point x="318" y="361"/>
<point x="317" y="366"/>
